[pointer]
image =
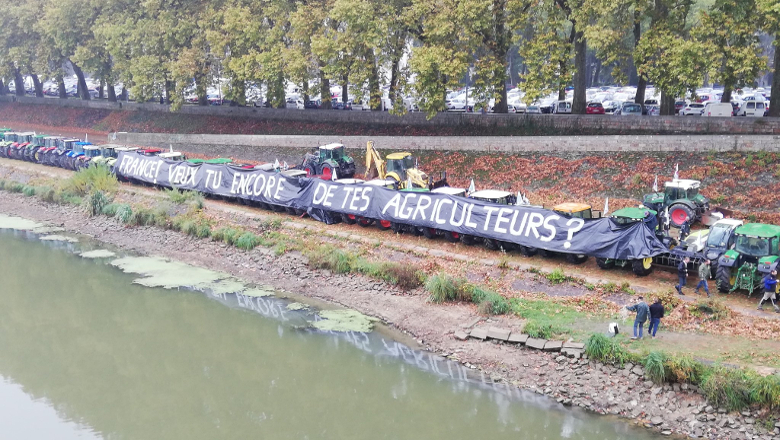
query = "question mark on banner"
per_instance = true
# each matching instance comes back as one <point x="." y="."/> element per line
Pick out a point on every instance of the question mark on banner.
<point x="579" y="224"/>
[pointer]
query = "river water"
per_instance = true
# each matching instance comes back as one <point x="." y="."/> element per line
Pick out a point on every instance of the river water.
<point x="85" y="353"/>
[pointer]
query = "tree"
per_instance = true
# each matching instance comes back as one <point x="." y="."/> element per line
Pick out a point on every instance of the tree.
<point x="769" y="11"/>
<point x="728" y="31"/>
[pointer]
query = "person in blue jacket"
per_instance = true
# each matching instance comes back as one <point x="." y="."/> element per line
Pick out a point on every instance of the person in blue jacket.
<point x="642" y="312"/>
<point x="682" y="274"/>
<point x="770" y="288"/>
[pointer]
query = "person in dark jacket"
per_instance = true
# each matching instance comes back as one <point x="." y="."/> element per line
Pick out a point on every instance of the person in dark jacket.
<point x="685" y="230"/>
<point x="682" y="274"/>
<point x="642" y="312"/>
<point x="770" y="287"/>
<point x="656" y="313"/>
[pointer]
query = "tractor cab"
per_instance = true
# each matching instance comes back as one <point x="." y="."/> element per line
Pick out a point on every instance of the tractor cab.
<point x="683" y="199"/>
<point x="450" y="191"/>
<point x="108" y="151"/>
<point x="576" y="210"/>
<point x="9" y="136"/>
<point x="51" y="141"/>
<point x="495" y="196"/>
<point x="65" y="144"/>
<point x="627" y="216"/>
<point x="398" y="163"/>
<point x="24" y="138"/>
<point x="175" y="156"/>
<point x="755" y="253"/>
<point x="92" y="151"/>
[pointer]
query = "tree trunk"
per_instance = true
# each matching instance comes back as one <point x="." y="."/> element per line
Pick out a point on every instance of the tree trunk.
<point x="125" y="94"/>
<point x="238" y="93"/>
<point x="345" y="88"/>
<point x="375" y="95"/>
<point x="393" y="80"/>
<point x="38" y="86"/>
<point x="502" y="47"/>
<point x="18" y="83"/>
<point x="580" y="48"/>
<point x="641" y="81"/>
<point x="111" y="92"/>
<point x="200" y="90"/>
<point x="170" y="88"/>
<point x="278" y="91"/>
<point x="61" y="87"/>
<point x="306" y="98"/>
<point x="325" y="92"/>
<point x="667" y="104"/>
<point x="774" y="100"/>
<point x="3" y="91"/>
<point x="84" y="93"/>
<point x="597" y="74"/>
<point x="101" y="93"/>
<point x="727" y="90"/>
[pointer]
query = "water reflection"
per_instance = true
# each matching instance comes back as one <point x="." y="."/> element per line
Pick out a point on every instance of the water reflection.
<point x="141" y="363"/>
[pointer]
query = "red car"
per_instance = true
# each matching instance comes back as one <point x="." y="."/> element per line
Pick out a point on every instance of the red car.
<point x="594" y="108"/>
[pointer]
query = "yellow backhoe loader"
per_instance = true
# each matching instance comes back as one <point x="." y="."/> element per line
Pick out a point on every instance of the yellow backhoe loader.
<point x="400" y="167"/>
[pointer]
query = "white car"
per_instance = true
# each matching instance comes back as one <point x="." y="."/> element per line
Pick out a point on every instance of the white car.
<point x="717" y="109"/>
<point x="457" y="105"/>
<point x="515" y="105"/>
<point x="692" y="109"/>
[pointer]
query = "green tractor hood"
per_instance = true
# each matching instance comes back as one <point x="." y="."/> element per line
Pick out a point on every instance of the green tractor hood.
<point x="654" y="198"/>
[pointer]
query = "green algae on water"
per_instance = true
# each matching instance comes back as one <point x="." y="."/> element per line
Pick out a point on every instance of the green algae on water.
<point x="344" y="321"/>
<point x="159" y="272"/>
<point x="97" y="253"/>
<point x="59" y="238"/>
<point x="297" y="306"/>
<point x="258" y="292"/>
<point x="18" y="223"/>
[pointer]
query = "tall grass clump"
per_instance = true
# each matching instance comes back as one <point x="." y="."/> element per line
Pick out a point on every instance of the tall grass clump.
<point x="557" y="276"/>
<point x="765" y="391"/>
<point x="543" y="330"/>
<point x="247" y="241"/>
<point x="442" y="287"/>
<point x="331" y="258"/>
<point x="96" y="202"/>
<point x="728" y="387"/>
<point x="489" y="302"/>
<point x="684" y="369"/>
<point x="28" y="190"/>
<point x="92" y="179"/>
<point x="655" y="366"/>
<point x="14" y="187"/>
<point x="606" y="349"/>
<point x="123" y="213"/>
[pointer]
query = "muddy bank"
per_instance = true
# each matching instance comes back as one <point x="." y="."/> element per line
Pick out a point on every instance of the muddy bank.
<point x="599" y="388"/>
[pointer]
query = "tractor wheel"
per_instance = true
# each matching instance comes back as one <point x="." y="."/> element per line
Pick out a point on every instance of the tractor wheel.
<point x="452" y="237"/>
<point x="278" y="208"/>
<point x="384" y="225"/>
<point x="291" y="211"/>
<point x="327" y="172"/>
<point x="348" y="219"/>
<point x="545" y="254"/>
<point x="506" y="246"/>
<point x="398" y="228"/>
<point x="467" y="239"/>
<point x="604" y="263"/>
<point x="413" y="231"/>
<point x="429" y="233"/>
<point x="491" y="244"/>
<point x="365" y="222"/>
<point x="38" y="156"/>
<point x="528" y="251"/>
<point x="311" y="170"/>
<point x="642" y="267"/>
<point x="679" y="213"/>
<point x="575" y="258"/>
<point x="724" y="280"/>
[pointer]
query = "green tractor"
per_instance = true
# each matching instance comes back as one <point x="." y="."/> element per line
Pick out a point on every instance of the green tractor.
<point x="682" y="198"/>
<point x="755" y="254"/>
<point x="327" y="160"/>
<point x="626" y="216"/>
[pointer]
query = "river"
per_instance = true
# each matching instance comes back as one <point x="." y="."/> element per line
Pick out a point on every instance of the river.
<point x="85" y="353"/>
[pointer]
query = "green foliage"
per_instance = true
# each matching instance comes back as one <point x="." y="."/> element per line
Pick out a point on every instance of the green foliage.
<point x="728" y="387"/>
<point x="655" y="366"/>
<point x="765" y="391"/>
<point x="684" y="369"/>
<point x="123" y="213"/>
<point x="711" y="309"/>
<point x="557" y="276"/>
<point x="14" y="187"/>
<point x="489" y="302"/>
<point x="110" y="209"/>
<point x="543" y="330"/>
<point x="28" y="190"/>
<point x="96" y="202"/>
<point x="247" y="241"/>
<point x="442" y="287"/>
<point x="605" y="349"/>
<point x="92" y="179"/>
<point x="141" y="217"/>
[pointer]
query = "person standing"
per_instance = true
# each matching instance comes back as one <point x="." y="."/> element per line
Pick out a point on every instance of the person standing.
<point x="770" y="287"/>
<point x="642" y="311"/>
<point x="685" y="230"/>
<point x="682" y="275"/>
<point x="704" y="275"/>
<point x="656" y="313"/>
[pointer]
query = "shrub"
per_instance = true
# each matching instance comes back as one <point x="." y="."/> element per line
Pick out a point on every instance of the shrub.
<point x="443" y="287"/>
<point x="711" y="310"/>
<point x="247" y="241"/>
<point x="91" y="179"/>
<point x="543" y="330"/>
<point x="203" y="230"/>
<point x="123" y="213"/>
<point x="405" y="276"/>
<point x="28" y="190"/>
<point x="14" y="187"/>
<point x="161" y="218"/>
<point x="96" y="202"/>
<point x="765" y="391"/>
<point x="655" y="366"/>
<point x="47" y="194"/>
<point x="2" y="183"/>
<point x="606" y="349"/>
<point x="110" y="209"/>
<point x="188" y="227"/>
<point x="489" y="302"/>
<point x="330" y="258"/>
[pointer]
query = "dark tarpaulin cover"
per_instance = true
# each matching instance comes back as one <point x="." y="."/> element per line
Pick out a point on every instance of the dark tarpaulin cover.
<point x="325" y="201"/>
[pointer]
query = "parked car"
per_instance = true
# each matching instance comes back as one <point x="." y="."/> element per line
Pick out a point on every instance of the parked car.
<point x="752" y="108"/>
<point x="692" y="109"/>
<point x="338" y="105"/>
<point x="610" y="107"/>
<point x="631" y="109"/>
<point x="717" y="109"/>
<point x="517" y="106"/>
<point x="652" y="110"/>
<point x="678" y="105"/>
<point x="562" y="107"/>
<point x="533" y="108"/>
<point x="595" y="108"/>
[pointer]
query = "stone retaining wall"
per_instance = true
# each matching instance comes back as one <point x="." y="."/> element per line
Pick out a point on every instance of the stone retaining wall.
<point x="552" y="124"/>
